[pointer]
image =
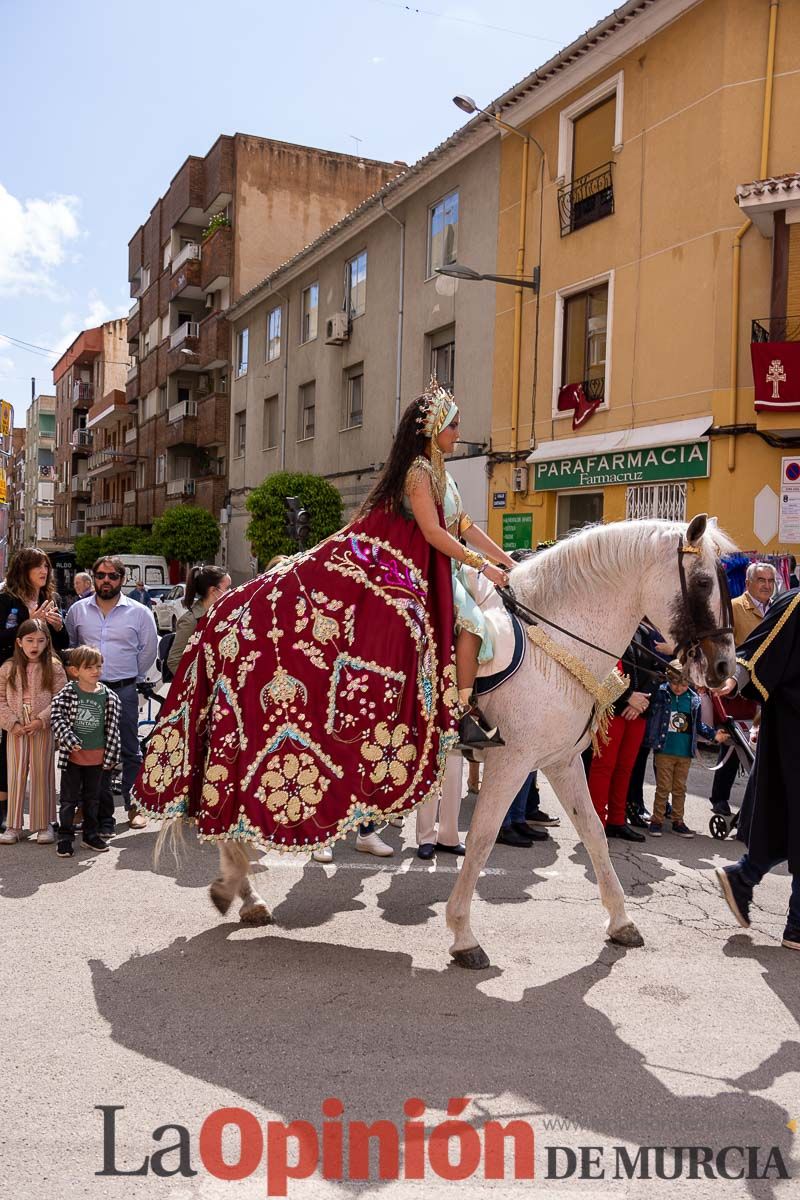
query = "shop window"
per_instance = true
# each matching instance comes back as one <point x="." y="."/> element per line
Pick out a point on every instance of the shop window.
<point x="576" y="509"/>
<point x="666" y="501"/>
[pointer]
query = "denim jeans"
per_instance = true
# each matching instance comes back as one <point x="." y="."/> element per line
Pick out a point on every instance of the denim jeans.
<point x="131" y="756"/>
<point x="519" y="805"/>
<point x="753" y="872"/>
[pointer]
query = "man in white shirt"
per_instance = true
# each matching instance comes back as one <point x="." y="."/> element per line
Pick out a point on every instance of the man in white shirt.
<point x="125" y="634"/>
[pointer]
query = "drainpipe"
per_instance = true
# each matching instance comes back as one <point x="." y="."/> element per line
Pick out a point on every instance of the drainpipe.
<point x="740" y="233"/>
<point x="518" y="291"/>
<point x="285" y="396"/>
<point x="399" y="370"/>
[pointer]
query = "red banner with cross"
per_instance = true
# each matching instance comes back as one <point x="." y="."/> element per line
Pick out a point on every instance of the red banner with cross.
<point x="776" y="376"/>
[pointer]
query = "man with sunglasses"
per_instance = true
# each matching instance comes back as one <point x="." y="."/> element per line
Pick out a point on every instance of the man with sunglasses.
<point x="125" y="634"/>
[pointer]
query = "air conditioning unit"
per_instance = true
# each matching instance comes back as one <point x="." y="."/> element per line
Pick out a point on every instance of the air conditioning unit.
<point x="337" y="329"/>
<point x="519" y="479"/>
<point x="210" y="300"/>
<point x="190" y="487"/>
<point x="203" y="384"/>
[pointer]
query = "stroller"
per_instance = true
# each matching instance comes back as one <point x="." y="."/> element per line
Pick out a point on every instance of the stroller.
<point x="733" y="715"/>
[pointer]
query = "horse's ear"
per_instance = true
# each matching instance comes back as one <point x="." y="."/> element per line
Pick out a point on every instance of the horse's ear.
<point x="697" y="528"/>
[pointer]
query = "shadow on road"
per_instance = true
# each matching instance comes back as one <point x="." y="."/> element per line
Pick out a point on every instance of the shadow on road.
<point x="285" y="1023"/>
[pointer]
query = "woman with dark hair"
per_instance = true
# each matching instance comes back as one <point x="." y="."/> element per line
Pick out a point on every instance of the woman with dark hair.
<point x="323" y="695"/>
<point x="204" y="586"/>
<point x="29" y="592"/>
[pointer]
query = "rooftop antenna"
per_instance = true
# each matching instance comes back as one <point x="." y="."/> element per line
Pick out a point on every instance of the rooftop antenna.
<point x="358" y="142"/>
<point x="33" y="387"/>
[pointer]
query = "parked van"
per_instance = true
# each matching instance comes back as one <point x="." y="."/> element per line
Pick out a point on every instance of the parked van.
<point x="150" y="568"/>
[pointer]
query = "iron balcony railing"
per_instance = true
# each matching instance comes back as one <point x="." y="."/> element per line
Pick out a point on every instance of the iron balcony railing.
<point x="775" y="329"/>
<point x="586" y="199"/>
<point x="82" y="392"/>
<point x="82" y="439"/>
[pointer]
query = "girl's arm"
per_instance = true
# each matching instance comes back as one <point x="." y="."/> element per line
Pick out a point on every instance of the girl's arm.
<point x="420" y="497"/>
<point x="7" y="718"/>
<point x="489" y="549"/>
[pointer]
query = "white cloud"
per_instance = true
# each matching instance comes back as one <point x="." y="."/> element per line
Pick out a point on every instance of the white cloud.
<point x="35" y="236"/>
<point x="96" y="312"/>
<point x="376" y="59"/>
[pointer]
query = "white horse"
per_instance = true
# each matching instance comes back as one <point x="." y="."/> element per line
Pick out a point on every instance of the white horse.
<point x="597" y="584"/>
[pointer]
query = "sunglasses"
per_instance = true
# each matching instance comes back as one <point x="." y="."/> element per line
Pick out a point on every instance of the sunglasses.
<point x="106" y="575"/>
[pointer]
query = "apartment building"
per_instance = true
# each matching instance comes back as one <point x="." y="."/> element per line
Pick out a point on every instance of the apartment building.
<point x="95" y="462"/>
<point x="226" y="220"/>
<point x="40" y="474"/>
<point x="15" y="484"/>
<point x="330" y="348"/>
<point x="652" y="127"/>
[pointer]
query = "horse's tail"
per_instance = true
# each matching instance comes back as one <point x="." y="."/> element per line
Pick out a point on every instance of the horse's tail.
<point x="170" y="837"/>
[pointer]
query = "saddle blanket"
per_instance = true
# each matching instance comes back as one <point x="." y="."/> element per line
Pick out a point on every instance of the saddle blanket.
<point x="508" y="636"/>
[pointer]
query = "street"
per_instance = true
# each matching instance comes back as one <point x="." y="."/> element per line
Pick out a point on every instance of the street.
<point x="124" y="987"/>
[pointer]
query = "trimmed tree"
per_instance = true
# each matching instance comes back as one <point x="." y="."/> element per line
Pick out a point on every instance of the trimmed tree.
<point x="266" y="530"/>
<point x="88" y="549"/>
<point x="187" y="533"/>
<point x="123" y="539"/>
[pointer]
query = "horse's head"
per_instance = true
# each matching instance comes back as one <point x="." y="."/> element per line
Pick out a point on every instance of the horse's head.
<point x="694" y="606"/>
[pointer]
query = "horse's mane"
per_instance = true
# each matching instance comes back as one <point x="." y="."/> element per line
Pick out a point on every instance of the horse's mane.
<point x="604" y="554"/>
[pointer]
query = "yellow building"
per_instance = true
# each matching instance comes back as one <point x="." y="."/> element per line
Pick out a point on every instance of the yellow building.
<point x="650" y="276"/>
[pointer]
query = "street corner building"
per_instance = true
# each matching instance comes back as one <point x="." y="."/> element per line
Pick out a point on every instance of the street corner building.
<point x="653" y="370"/>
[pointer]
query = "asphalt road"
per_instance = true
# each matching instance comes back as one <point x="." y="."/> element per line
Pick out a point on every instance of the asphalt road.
<point x="122" y="986"/>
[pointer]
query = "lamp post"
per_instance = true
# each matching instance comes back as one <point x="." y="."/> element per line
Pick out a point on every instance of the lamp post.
<point x="468" y="105"/>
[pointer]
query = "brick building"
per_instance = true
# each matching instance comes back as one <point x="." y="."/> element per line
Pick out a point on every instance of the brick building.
<point x="40" y="473"/>
<point x="92" y="418"/>
<point x="226" y="220"/>
<point x="15" y="473"/>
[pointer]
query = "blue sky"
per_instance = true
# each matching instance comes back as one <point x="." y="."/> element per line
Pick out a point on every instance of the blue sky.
<point x="102" y="102"/>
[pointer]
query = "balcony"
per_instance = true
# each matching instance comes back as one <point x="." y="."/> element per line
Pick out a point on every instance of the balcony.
<point x="135" y="325"/>
<point x="210" y="493"/>
<point x="189" y="253"/>
<point x="105" y="512"/>
<point x="180" y="487"/>
<point x="188" y="331"/>
<point x="82" y="394"/>
<point x="82" y="441"/>
<point x="80" y="485"/>
<point x="131" y="435"/>
<point x="185" y="281"/>
<point x="212" y="420"/>
<point x="129" y="497"/>
<point x="182" y="424"/>
<point x="184" y="346"/>
<point x="77" y="528"/>
<point x="105" y="462"/>
<point x="216" y="263"/>
<point x="775" y="355"/>
<point x="215" y="341"/>
<point x="586" y="199"/>
<point x="184" y="408"/>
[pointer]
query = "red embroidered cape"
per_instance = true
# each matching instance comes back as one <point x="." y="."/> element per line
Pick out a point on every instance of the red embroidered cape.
<point x="317" y="696"/>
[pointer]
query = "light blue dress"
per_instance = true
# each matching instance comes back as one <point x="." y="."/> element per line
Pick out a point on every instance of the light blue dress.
<point x="468" y="614"/>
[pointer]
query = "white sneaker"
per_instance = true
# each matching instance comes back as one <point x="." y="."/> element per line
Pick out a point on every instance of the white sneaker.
<point x="372" y="844"/>
<point x="10" y="837"/>
<point x="45" y="837"/>
<point x="322" y="854"/>
<point x="396" y="821"/>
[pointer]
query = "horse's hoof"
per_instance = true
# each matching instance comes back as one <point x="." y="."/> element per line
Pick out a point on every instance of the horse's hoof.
<point x="219" y="897"/>
<point x="474" y="959"/>
<point x="256" y="914"/>
<point x="628" y="935"/>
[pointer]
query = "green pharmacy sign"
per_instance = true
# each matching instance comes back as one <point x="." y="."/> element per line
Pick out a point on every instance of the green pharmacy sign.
<point x="653" y="465"/>
<point x="517" y="531"/>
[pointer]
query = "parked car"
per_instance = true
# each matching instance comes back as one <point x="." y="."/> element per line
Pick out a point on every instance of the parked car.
<point x="170" y="609"/>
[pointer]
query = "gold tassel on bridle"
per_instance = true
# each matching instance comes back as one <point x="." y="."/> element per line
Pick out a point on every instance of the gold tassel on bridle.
<point x="604" y="692"/>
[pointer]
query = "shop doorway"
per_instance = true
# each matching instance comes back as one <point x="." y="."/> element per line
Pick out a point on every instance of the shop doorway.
<point x="576" y="509"/>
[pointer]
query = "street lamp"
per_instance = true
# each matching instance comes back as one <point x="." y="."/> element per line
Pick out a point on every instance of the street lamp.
<point x="460" y="271"/>
<point x="468" y="105"/>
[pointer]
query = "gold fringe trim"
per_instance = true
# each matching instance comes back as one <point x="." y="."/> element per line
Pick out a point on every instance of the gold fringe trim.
<point x="765" y="645"/>
<point x="604" y="692"/>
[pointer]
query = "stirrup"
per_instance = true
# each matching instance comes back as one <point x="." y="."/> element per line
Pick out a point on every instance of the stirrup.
<point x="473" y="735"/>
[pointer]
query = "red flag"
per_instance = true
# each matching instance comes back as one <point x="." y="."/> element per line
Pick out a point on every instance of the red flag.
<point x="573" y="398"/>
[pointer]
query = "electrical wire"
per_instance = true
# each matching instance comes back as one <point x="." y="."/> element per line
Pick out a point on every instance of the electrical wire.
<point x="427" y="12"/>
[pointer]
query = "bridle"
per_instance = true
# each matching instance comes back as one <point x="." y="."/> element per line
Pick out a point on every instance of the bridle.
<point x="689" y="647"/>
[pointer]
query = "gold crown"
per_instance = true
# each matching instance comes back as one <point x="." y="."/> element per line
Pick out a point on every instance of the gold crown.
<point x="433" y="405"/>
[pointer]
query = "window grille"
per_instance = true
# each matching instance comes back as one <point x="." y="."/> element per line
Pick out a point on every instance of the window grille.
<point x="666" y="501"/>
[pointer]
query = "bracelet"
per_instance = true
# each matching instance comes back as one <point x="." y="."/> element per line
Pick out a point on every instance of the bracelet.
<point x="473" y="559"/>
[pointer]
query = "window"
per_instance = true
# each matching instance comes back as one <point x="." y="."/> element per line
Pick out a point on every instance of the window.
<point x="306" y="411"/>
<point x="242" y="340"/>
<point x="443" y="233"/>
<point x="239" y="434"/>
<point x="273" y="335"/>
<point x="356" y="285"/>
<point x="353" y="415"/>
<point x="590" y="133"/>
<point x="310" y="310"/>
<point x="162" y="398"/>
<point x="270" y="437"/>
<point x="583" y="340"/>
<point x="576" y="509"/>
<point x="664" y="500"/>
<point x="443" y="357"/>
<point x="161" y="468"/>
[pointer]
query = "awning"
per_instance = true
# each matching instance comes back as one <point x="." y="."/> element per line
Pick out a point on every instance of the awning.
<point x="671" y="433"/>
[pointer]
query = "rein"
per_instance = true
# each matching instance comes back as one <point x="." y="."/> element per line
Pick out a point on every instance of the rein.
<point x="688" y="647"/>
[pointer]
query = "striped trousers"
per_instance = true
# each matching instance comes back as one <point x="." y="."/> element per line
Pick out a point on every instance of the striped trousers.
<point x="31" y="759"/>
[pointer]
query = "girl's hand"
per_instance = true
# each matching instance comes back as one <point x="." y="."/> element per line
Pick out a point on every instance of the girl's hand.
<point x="17" y="730"/>
<point x="496" y="575"/>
